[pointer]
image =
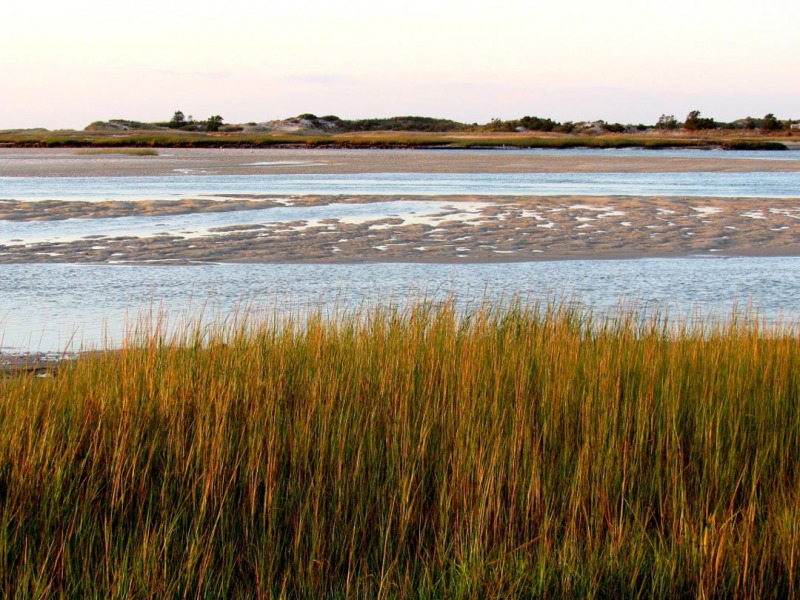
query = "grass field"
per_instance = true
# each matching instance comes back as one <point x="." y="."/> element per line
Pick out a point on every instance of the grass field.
<point x="529" y="451"/>
<point x="388" y="139"/>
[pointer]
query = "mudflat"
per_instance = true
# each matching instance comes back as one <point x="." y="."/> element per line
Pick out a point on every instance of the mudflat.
<point x="45" y="162"/>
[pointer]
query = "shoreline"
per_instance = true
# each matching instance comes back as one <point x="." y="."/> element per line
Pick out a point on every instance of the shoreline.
<point x="632" y="255"/>
<point x="450" y="139"/>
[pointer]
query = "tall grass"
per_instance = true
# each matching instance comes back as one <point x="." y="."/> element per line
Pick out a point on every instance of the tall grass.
<point x="523" y="451"/>
<point x="126" y="151"/>
<point x="374" y="139"/>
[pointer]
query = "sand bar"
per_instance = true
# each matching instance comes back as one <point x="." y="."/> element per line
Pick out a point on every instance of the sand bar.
<point x="502" y="229"/>
<point x="43" y="162"/>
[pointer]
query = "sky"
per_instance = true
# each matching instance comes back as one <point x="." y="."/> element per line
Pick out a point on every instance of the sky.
<point x="66" y="64"/>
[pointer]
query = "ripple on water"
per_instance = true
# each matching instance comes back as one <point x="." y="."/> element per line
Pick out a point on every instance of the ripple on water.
<point x="46" y="307"/>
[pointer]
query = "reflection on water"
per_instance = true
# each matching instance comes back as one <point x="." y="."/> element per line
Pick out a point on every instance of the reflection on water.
<point x="746" y="185"/>
<point x="44" y="307"/>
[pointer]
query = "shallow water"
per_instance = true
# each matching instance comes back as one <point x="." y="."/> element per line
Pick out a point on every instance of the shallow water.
<point x="52" y="307"/>
<point x="701" y="153"/>
<point x="194" y="224"/>
<point x="746" y="185"/>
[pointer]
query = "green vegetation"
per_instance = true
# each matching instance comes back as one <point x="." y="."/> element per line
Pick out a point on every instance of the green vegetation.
<point x="312" y="131"/>
<point x="526" y="451"/>
<point x="694" y="122"/>
<point x="129" y="151"/>
<point x="231" y="137"/>
<point x="402" y="124"/>
<point x="667" y="123"/>
<point x="213" y="123"/>
<point x="419" y="124"/>
<point x="121" y="125"/>
<point x="178" y="120"/>
<point x="770" y="123"/>
<point x="413" y="131"/>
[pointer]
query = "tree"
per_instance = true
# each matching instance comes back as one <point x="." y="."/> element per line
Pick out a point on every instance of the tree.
<point x="213" y="123"/>
<point x="178" y="120"/>
<point x="691" y="120"/>
<point x="770" y="123"/>
<point x="694" y="121"/>
<point x="667" y="122"/>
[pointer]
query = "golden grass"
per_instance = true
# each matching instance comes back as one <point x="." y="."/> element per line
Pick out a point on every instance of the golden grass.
<point x="387" y="139"/>
<point x="127" y="151"/>
<point x="525" y="451"/>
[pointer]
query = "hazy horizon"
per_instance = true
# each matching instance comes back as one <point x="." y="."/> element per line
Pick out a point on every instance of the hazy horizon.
<point x="65" y="65"/>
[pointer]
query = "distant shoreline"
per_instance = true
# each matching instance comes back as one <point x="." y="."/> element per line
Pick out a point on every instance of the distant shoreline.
<point x="390" y="140"/>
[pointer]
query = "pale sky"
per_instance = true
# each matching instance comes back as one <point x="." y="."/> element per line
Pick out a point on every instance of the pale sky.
<point x="65" y="64"/>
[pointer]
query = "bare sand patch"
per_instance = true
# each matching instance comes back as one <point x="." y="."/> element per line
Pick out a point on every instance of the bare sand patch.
<point x="499" y="230"/>
<point x="45" y="162"/>
<point x="54" y="210"/>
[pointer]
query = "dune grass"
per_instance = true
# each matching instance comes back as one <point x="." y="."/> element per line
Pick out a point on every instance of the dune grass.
<point x="518" y="452"/>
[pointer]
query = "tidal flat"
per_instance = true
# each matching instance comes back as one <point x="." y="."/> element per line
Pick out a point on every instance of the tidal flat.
<point x="66" y="162"/>
<point x="455" y="228"/>
<point x="159" y="222"/>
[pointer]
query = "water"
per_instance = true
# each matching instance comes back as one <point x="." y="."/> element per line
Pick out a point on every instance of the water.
<point x="745" y="185"/>
<point x="195" y="224"/>
<point x="51" y="307"/>
<point x="55" y="307"/>
<point x="699" y="153"/>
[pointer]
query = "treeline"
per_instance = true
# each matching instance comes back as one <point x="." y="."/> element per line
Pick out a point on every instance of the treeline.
<point x="694" y="121"/>
<point x="431" y="125"/>
<point x="408" y="123"/>
<point x="181" y="121"/>
<point x="178" y="121"/>
<point x="531" y="124"/>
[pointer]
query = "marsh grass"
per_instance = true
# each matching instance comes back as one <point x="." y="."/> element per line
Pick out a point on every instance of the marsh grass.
<point x="530" y="450"/>
<point x="127" y="151"/>
<point x="375" y="139"/>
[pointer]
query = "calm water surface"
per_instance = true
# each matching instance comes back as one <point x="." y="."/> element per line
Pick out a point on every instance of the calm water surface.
<point x="715" y="153"/>
<point x="746" y="185"/>
<point x="48" y="307"/>
<point x="52" y="307"/>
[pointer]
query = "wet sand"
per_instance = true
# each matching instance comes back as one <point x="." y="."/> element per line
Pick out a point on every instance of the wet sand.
<point x="70" y="163"/>
<point x="503" y="229"/>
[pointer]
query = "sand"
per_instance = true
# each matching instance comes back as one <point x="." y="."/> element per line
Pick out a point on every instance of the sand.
<point x="501" y="229"/>
<point x="505" y="228"/>
<point x="69" y="163"/>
